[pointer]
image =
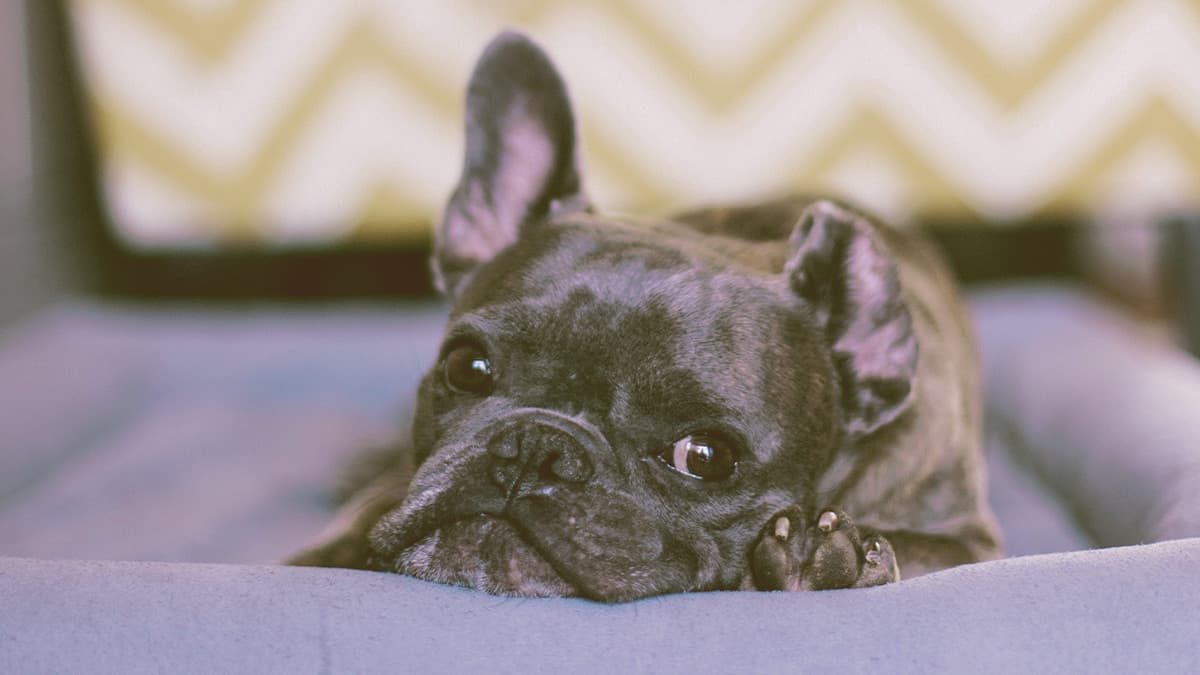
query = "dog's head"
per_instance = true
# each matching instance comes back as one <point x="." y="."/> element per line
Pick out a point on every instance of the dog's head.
<point x="618" y="408"/>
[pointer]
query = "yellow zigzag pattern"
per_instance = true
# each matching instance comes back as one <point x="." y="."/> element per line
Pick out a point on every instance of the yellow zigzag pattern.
<point x="208" y="36"/>
<point x="234" y="200"/>
<point x="237" y="196"/>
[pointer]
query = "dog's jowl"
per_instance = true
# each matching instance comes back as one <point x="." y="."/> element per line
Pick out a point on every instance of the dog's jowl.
<point x="779" y="395"/>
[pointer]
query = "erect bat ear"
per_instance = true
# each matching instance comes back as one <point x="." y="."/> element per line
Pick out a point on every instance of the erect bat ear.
<point x="840" y="268"/>
<point x="521" y="159"/>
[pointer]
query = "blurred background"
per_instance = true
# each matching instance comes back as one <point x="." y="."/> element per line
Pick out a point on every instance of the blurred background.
<point x="284" y="135"/>
<point x="210" y="210"/>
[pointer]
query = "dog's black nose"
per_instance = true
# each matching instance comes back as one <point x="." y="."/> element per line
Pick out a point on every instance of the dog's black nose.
<point x="532" y="453"/>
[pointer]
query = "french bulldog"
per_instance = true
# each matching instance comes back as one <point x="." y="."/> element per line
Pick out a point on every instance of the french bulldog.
<point x="780" y="395"/>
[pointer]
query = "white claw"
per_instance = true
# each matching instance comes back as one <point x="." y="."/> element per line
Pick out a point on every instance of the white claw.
<point x="783" y="527"/>
<point x="874" y="553"/>
<point x="828" y="522"/>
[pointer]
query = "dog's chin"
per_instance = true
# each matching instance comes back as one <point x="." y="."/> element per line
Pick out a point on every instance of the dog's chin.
<point x="486" y="553"/>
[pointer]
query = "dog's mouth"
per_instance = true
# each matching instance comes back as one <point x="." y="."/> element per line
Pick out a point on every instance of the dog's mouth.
<point x="599" y="544"/>
<point x="485" y="552"/>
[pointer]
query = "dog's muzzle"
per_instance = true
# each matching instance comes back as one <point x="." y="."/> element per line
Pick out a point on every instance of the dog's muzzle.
<point x="527" y="453"/>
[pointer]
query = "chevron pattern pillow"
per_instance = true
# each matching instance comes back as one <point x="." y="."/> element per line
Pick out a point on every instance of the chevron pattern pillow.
<point x="311" y="122"/>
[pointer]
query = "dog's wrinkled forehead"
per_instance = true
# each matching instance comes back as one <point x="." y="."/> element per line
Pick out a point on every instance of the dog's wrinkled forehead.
<point x="612" y="319"/>
<point x="567" y="279"/>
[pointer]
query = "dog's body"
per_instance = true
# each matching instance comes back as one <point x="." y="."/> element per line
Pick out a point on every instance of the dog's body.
<point x="625" y="408"/>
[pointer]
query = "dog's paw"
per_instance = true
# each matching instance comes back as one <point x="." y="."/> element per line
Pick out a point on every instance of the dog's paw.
<point x="795" y="554"/>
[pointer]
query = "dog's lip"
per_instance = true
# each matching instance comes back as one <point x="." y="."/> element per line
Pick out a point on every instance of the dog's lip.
<point x="425" y="525"/>
<point x="532" y="542"/>
<point x="392" y="538"/>
<point x="395" y="533"/>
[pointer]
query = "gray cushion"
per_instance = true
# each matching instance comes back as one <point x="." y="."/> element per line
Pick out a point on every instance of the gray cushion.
<point x="139" y="434"/>
<point x="1104" y="411"/>
<point x="1115" y="610"/>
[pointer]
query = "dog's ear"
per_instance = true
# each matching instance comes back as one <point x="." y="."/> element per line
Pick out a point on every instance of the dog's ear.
<point x="521" y="159"/>
<point x="839" y="267"/>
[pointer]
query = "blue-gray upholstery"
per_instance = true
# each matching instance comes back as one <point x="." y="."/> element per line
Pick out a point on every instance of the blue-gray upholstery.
<point x="189" y="435"/>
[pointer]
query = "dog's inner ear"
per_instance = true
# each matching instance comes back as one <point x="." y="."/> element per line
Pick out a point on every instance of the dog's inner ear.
<point x="841" y="270"/>
<point x="521" y="159"/>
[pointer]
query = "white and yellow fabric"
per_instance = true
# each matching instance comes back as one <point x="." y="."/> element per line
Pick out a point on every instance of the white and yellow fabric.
<point x="298" y="122"/>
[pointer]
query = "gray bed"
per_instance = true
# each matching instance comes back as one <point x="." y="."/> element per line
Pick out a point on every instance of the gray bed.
<point x="170" y="439"/>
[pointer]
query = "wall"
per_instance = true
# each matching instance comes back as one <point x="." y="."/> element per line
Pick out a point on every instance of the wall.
<point x="315" y="122"/>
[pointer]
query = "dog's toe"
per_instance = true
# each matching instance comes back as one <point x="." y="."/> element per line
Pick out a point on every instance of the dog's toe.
<point x="836" y="551"/>
<point x="879" y="562"/>
<point x="776" y="560"/>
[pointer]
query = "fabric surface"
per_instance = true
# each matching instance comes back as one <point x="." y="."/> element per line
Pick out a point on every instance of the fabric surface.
<point x="309" y="121"/>
<point x="1115" y="610"/>
<point x="194" y="435"/>
<point x="1105" y="412"/>
<point x="199" y="435"/>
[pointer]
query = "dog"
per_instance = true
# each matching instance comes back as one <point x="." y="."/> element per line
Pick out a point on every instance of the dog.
<point x="775" y="396"/>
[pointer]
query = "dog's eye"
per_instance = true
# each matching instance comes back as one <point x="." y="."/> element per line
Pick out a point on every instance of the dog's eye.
<point x="703" y="456"/>
<point x="468" y="371"/>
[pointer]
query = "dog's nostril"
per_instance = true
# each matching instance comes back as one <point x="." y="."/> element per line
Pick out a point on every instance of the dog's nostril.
<point x="548" y="470"/>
